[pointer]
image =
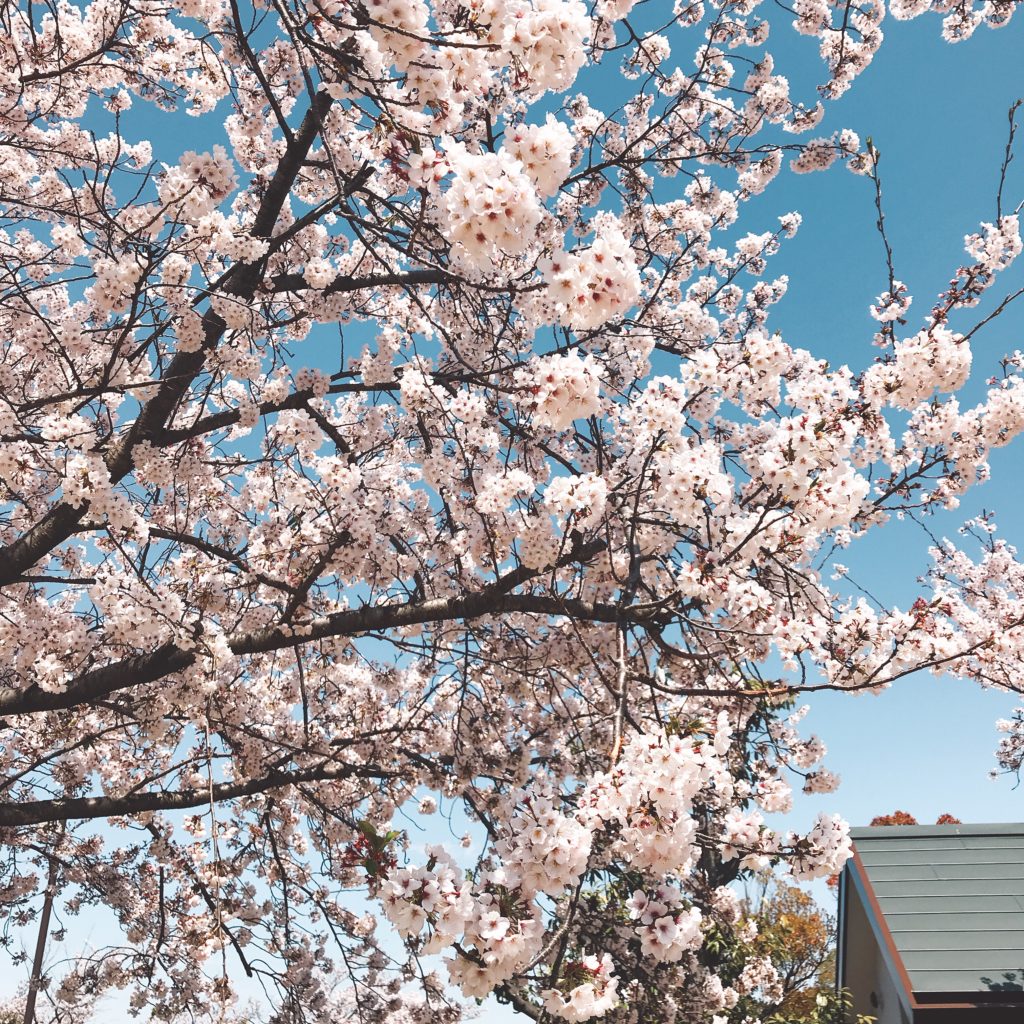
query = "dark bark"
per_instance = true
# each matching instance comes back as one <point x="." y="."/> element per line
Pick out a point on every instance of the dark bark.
<point x="63" y="519"/>
<point x="36" y="812"/>
<point x="494" y="599"/>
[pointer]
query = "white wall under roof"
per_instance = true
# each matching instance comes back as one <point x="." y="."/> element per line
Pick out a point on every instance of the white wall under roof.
<point x="864" y="968"/>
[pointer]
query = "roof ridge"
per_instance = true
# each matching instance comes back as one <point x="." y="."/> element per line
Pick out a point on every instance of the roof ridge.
<point x="946" y="831"/>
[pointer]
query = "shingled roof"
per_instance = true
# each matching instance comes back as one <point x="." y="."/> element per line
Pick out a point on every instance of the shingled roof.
<point x="946" y="905"/>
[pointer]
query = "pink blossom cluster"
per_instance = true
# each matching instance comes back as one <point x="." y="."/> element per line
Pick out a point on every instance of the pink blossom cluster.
<point x="644" y="813"/>
<point x="935" y="359"/>
<point x="594" y="997"/>
<point x="598" y="284"/>
<point x="498" y="931"/>
<point x="666" y="927"/>
<point x="562" y="388"/>
<point x="544" y="150"/>
<point x="420" y="442"/>
<point x="492" y="209"/>
<point x="198" y="184"/>
<point x="545" y="851"/>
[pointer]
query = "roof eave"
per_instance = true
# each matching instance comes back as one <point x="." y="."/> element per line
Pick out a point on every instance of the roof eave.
<point x="927" y="1008"/>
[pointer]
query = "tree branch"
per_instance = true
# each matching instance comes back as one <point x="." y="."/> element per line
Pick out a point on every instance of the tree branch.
<point x="169" y="658"/>
<point x="37" y="812"/>
<point x="60" y="522"/>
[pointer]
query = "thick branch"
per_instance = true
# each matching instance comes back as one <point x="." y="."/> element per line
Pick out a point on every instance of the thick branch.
<point x="491" y="600"/>
<point x="37" y="812"/>
<point x="344" y="283"/>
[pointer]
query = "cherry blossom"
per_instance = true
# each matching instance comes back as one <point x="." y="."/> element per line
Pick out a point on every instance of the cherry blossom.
<point x="392" y="439"/>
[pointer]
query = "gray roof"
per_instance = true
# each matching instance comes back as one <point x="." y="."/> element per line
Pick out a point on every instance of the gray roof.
<point x="953" y="900"/>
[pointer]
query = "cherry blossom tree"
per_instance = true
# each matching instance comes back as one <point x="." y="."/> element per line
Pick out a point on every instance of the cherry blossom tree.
<point x="415" y="439"/>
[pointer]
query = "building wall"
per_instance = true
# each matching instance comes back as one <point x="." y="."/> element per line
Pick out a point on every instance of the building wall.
<point x="865" y="972"/>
